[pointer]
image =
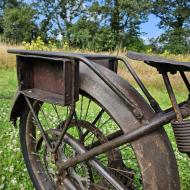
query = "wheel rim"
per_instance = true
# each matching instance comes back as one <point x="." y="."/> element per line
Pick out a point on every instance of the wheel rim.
<point x="120" y="162"/>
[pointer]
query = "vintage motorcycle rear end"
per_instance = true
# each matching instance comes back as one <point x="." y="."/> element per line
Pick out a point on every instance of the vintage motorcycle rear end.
<point x="84" y="127"/>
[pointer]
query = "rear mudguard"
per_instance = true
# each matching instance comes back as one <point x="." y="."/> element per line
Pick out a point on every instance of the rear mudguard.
<point x="159" y="161"/>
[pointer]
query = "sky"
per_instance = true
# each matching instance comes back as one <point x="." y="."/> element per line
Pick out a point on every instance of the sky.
<point x="150" y="28"/>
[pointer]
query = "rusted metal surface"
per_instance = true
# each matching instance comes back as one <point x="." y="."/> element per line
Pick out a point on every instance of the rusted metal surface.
<point x="172" y="96"/>
<point x="166" y="171"/>
<point x="108" y="61"/>
<point x="182" y="135"/>
<point x="93" y="66"/>
<point x="95" y="164"/>
<point x="111" y="63"/>
<point x="48" y="79"/>
<point x="160" y="63"/>
<point x="134" y="121"/>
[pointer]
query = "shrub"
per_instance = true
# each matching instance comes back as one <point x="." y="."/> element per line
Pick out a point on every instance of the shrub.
<point x="39" y="44"/>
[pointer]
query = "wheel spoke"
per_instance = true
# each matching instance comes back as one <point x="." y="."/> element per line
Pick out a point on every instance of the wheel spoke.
<point x="99" y="186"/>
<point x="98" y="117"/>
<point x="67" y="113"/>
<point x="32" y="137"/>
<point x="81" y="106"/>
<point x="88" y="106"/>
<point x="78" y="128"/>
<point x="55" y="109"/>
<point x="105" y="122"/>
<point x="119" y="170"/>
<point x="45" y="117"/>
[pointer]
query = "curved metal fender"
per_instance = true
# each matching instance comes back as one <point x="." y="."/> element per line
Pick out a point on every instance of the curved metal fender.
<point x="92" y="84"/>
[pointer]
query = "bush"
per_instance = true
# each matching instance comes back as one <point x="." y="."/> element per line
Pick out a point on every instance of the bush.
<point x="39" y="44"/>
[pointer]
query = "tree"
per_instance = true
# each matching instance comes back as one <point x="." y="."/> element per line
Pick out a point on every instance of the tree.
<point x="19" y="23"/>
<point x="88" y="34"/>
<point x="62" y="13"/>
<point x="12" y="3"/>
<point x="175" y="19"/>
<point x="7" y="4"/>
<point x="123" y="18"/>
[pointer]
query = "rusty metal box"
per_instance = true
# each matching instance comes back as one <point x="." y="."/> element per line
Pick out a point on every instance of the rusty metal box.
<point x="108" y="62"/>
<point x="48" y="79"/>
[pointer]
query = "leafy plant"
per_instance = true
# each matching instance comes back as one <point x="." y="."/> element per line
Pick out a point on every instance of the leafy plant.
<point x="39" y="44"/>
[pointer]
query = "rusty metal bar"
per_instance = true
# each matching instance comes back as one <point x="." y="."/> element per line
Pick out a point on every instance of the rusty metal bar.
<point x="185" y="80"/>
<point x="172" y="96"/>
<point x="43" y="133"/>
<point x="109" y="138"/>
<point x="135" y="110"/>
<point x="158" y="121"/>
<point x="154" y="104"/>
<point x="69" y="184"/>
<point x="94" y="163"/>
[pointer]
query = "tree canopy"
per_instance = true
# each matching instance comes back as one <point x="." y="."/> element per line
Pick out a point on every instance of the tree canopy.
<point x="97" y="25"/>
<point x="175" y="19"/>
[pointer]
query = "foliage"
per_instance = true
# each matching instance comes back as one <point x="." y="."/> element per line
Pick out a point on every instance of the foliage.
<point x="86" y="34"/>
<point x="61" y="14"/>
<point x="18" y="23"/>
<point x="93" y="25"/>
<point x="96" y="25"/>
<point x="38" y="44"/>
<point x="175" y="19"/>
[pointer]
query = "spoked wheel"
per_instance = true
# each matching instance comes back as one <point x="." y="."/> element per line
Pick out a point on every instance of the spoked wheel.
<point x="90" y="127"/>
<point x="147" y="163"/>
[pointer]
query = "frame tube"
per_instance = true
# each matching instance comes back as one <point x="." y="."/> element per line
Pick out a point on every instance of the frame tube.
<point x="158" y="121"/>
<point x="154" y="104"/>
<point x="172" y="96"/>
<point x="94" y="163"/>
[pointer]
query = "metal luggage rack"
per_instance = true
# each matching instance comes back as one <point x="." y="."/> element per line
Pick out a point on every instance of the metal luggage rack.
<point x="72" y="89"/>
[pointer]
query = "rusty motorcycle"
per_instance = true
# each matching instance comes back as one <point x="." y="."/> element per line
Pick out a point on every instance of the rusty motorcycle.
<point x="83" y="127"/>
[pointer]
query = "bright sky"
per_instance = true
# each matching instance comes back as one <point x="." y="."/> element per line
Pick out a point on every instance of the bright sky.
<point x="151" y="28"/>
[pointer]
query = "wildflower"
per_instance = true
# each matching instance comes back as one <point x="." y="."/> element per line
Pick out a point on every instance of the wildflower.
<point x="21" y="187"/>
<point x="2" y="186"/>
<point x="14" y="181"/>
<point x="11" y="169"/>
<point x="14" y="141"/>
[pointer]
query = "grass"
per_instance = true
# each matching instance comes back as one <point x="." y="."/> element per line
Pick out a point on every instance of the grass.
<point x="13" y="174"/>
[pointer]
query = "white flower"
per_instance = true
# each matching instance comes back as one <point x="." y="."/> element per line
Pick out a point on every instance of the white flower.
<point x="2" y="186"/>
<point x="11" y="169"/>
<point x="14" y="141"/>
<point x="3" y="178"/>
<point x="14" y="181"/>
<point x="21" y="187"/>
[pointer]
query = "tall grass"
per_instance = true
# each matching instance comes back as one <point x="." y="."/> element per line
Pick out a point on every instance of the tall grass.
<point x="7" y="61"/>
